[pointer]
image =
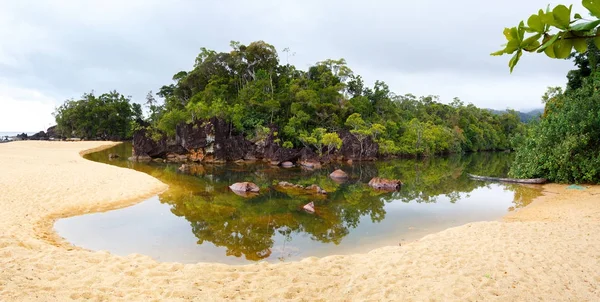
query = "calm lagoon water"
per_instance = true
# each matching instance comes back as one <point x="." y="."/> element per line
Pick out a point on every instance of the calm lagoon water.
<point x="200" y="220"/>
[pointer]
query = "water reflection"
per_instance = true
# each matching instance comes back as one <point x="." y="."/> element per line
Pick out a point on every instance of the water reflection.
<point x="273" y="226"/>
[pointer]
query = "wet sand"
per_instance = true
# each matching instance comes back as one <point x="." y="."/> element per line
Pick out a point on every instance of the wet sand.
<point x="549" y="250"/>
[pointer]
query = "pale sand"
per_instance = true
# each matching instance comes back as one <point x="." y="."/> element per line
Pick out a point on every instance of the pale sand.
<point x="549" y="250"/>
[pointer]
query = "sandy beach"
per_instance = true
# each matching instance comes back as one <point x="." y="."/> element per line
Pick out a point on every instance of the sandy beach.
<point x="548" y="251"/>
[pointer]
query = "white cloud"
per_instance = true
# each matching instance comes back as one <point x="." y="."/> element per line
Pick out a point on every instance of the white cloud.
<point x="63" y="48"/>
<point x="23" y="110"/>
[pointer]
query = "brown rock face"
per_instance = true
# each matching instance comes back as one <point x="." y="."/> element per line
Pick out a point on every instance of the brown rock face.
<point x="385" y="184"/>
<point x="339" y="174"/>
<point x="354" y="149"/>
<point x="244" y="187"/>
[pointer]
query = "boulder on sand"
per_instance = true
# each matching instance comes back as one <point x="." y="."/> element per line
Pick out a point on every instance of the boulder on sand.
<point x="244" y="187"/>
<point x="385" y="184"/>
<point x="339" y="174"/>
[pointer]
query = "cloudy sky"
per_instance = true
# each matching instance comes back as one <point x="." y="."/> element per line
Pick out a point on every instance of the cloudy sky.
<point x="55" y="50"/>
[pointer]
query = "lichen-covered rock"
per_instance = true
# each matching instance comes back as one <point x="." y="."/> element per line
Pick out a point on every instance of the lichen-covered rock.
<point x="385" y="184"/>
<point x="244" y="187"/>
<point x="338" y="174"/>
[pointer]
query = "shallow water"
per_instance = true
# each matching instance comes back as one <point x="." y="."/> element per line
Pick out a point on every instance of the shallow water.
<point x="200" y="220"/>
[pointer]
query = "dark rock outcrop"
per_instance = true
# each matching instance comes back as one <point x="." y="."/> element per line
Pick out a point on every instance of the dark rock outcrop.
<point x="52" y="132"/>
<point x="146" y="145"/>
<point x="215" y="141"/>
<point x="40" y="136"/>
<point x="274" y="152"/>
<point x="354" y="149"/>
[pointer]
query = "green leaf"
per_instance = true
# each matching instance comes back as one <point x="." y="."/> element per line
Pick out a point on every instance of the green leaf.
<point x="533" y="46"/>
<point x="548" y="42"/>
<point x="521" y="31"/>
<point x="514" y="60"/>
<point x="593" y="6"/>
<point x="580" y="45"/>
<point x="548" y="18"/>
<point x="549" y="51"/>
<point x="511" y="46"/>
<point x="587" y="26"/>
<point x="562" y="48"/>
<point x="578" y="16"/>
<point x="535" y="23"/>
<point x="530" y="40"/>
<point x="507" y="34"/>
<point x="498" y="53"/>
<point x="562" y="16"/>
<point x="597" y="42"/>
<point x="514" y="34"/>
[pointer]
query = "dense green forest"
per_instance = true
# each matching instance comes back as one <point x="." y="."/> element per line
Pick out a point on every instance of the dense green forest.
<point x="109" y="116"/>
<point x="249" y="88"/>
<point x="564" y="145"/>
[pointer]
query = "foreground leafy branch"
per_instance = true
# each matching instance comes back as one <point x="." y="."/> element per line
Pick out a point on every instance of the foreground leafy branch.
<point x="554" y="32"/>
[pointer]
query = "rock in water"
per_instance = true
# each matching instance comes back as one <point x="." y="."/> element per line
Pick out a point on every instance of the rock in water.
<point x="317" y="189"/>
<point x="309" y="207"/>
<point x="286" y="184"/>
<point x="339" y="174"/>
<point x="385" y="184"/>
<point x="113" y="156"/>
<point x="244" y="187"/>
<point x="287" y="164"/>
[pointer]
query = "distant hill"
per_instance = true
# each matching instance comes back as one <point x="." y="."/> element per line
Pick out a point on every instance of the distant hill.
<point x="524" y="116"/>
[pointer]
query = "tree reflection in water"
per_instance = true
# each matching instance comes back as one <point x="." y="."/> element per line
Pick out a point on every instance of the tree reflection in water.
<point x="247" y="226"/>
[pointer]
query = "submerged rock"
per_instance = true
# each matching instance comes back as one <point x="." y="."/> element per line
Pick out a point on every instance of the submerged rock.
<point x="309" y="207"/>
<point x="317" y="189"/>
<point x="313" y="187"/>
<point x="310" y="164"/>
<point x="339" y="174"/>
<point x="244" y="187"/>
<point x="140" y="158"/>
<point x="113" y="156"/>
<point x="286" y="184"/>
<point x="385" y="184"/>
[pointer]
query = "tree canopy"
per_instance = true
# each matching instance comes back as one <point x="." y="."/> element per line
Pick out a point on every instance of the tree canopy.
<point x="249" y="88"/>
<point x="107" y="116"/>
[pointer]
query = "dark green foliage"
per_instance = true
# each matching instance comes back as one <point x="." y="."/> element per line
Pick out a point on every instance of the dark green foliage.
<point x="248" y="88"/>
<point x="565" y="145"/>
<point x="108" y="116"/>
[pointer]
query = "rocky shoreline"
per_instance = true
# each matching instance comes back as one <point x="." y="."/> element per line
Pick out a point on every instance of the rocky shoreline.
<point x="214" y="141"/>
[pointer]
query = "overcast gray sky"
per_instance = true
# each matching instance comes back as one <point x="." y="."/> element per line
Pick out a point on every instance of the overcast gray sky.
<point x="55" y="50"/>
